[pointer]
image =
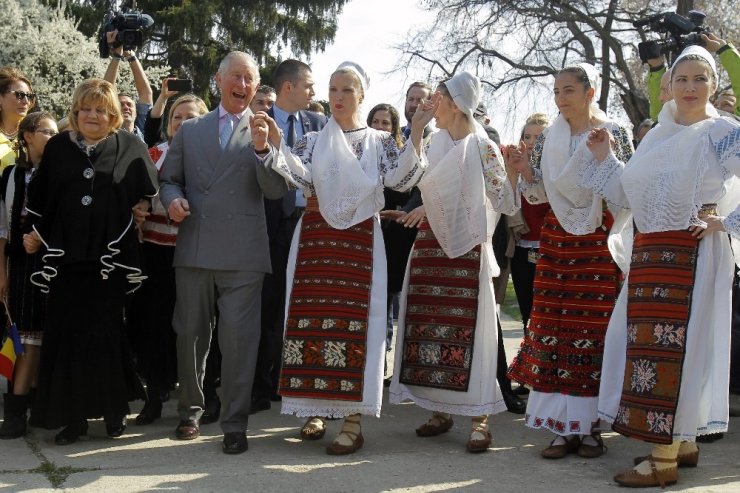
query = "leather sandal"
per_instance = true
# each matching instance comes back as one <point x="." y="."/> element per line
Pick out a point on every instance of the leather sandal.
<point x="684" y="460"/>
<point x="430" y="429"/>
<point x="480" y="445"/>
<point x="570" y="446"/>
<point x="666" y="477"/>
<point x="335" y="448"/>
<point x="592" y="451"/>
<point x="314" y="429"/>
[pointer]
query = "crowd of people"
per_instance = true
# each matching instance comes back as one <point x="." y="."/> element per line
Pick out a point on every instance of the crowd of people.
<point x="268" y="251"/>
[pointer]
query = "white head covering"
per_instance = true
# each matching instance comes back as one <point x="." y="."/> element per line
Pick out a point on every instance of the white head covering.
<point x="359" y="72"/>
<point x="464" y="89"/>
<point x="702" y="52"/>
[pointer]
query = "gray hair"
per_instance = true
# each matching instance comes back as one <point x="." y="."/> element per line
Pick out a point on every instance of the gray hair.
<point x="231" y="56"/>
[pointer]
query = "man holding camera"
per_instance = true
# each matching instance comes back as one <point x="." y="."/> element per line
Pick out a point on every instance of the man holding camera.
<point x="134" y="113"/>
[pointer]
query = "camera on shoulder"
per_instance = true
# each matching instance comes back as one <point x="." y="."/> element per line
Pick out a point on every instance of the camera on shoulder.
<point x="130" y="30"/>
<point x="678" y="33"/>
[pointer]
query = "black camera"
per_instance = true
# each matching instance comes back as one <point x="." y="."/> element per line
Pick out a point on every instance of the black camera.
<point x="679" y="32"/>
<point x="130" y="27"/>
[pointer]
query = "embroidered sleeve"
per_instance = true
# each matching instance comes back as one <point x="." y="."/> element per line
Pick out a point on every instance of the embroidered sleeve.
<point x="623" y="149"/>
<point x="725" y="140"/>
<point x="604" y="179"/>
<point x="295" y="164"/>
<point x="498" y="186"/>
<point x="534" y="192"/>
<point x="401" y="170"/>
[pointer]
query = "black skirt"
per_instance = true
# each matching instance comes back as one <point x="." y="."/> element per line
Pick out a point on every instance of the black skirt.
<point x="86" y="368"/>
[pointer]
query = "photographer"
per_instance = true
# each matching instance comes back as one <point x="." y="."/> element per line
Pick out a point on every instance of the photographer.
<point x="134" y="113"/>
<point x="657" y="81"/>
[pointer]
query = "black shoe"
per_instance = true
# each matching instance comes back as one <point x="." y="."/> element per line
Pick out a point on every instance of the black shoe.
<point x="521" y="391"/>
<point x="276" y="398"/>
<point x="149" y="413"/>
<point x="15" y="422"/>
<point x="164" y="396"/>
<point x="712" y="437"/>
<point x="387" y="382"/>
<point x="212" y="411"/>
<point x="259" y="404"/>
<point x="235" y="442"/>
<point x="514" y="404"/>
<point x="71" y="433"/>
<point x="115" y="427"/>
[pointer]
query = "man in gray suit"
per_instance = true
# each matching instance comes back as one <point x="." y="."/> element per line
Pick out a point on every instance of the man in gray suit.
<point x="213" y="181"/>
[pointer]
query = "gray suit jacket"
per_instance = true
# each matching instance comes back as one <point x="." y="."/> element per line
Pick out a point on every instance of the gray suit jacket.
<point x="225" y="188"/>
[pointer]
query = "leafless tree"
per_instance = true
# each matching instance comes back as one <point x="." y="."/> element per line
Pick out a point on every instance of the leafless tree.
<point x="515" y="46"/>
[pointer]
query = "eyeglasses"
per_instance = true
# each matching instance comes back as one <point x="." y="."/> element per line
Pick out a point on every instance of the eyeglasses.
<point x="46" y="131"/>
<point x="19" y="95"/>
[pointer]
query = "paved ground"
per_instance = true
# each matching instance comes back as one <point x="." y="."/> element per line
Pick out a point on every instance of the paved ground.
<point x="393" y="459"/>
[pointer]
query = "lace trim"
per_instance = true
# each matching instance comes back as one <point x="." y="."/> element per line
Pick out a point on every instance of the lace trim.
<point x="728" y="147"/>
<point x="329" y="412"/>
<point x="732" y="224"/>
<point x="597" y="175"/>
<point x="446" y="407"/>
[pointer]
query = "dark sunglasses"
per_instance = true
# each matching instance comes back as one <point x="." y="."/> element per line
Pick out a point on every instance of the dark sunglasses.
<point x="19" y="95"/>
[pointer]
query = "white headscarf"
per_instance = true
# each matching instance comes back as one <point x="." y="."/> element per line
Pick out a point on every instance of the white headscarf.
<point x="359" y="72"/>
<point x="452" y="187"/>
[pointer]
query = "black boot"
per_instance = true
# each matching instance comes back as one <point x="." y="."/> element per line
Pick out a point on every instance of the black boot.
<point x="152" y="409"/>
<point x="15" y="420"/>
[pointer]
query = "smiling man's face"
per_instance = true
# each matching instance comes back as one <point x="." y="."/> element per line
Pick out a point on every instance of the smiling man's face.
<point x="237" y="84"/>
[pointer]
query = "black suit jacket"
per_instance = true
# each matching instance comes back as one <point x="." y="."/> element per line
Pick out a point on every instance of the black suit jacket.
<point x="311" y="122"/>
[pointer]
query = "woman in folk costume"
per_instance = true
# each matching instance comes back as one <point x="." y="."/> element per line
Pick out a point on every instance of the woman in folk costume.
<point x="447" y="340"/>
<point x="667" y="349"/>
<point x="336" y="310"/>
<point x="576" y="279"/>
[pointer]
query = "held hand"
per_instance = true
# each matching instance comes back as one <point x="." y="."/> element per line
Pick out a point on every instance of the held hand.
<point x="110" y="37"/>
<point x="178" y="210"/>
<point x="712" y="42"/>
<point x="31" y="242"/>
<point x="599" y="143"/>
<point x="260" y="131"/>
<point x="140" y="212"/>
<point x="165" y="92"/>
<point x="655" y="62"/>
<point x="425" y="112"/>
<point x="516" y="158"/>
<point x="393" y="215"/>
<point x="275" y="135"/>
<point x="413" y="218"/>
<point x="714" y="224"/>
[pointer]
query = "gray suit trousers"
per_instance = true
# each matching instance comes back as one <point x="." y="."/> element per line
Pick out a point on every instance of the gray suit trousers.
<point x="238" y="297"/>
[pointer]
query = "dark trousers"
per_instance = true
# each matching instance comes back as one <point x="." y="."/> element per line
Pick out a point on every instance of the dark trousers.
<point x="501" y="365"/>
<point x="267" y="373"/>
<point x="735" y="337"/>
<point x="522" y="276"/>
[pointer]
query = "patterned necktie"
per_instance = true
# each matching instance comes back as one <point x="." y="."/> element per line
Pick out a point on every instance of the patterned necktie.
<point x="227" y="130"/>
<point x="291" y="137"/>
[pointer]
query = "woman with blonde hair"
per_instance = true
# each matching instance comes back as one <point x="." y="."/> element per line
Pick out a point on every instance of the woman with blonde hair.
<point x="80" y="203"/>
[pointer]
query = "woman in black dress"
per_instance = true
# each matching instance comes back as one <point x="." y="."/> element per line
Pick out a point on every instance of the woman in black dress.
<point x="82" y="201"/>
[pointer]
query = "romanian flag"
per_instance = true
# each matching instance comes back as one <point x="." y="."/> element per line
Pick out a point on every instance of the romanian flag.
<point x="12" y="347"/>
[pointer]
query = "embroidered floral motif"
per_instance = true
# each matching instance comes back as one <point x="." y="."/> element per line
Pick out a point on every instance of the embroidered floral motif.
<point x="660" y="422"/>
<point x="643" y="376"/>
<point x="670" y="335"/>
<point x="293" y="352"/>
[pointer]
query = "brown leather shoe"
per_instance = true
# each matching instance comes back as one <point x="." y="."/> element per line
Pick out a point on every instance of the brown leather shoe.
<point x="429" y="429"/>
<point x="475" y="446"/>
<point x="592" y="451"/>
<point x="187" y="429"/>
<point x="686" y="460"/>
<point x="559" y="451"/>
<point x="338" y="449"/>
<point x="633" y="479"/>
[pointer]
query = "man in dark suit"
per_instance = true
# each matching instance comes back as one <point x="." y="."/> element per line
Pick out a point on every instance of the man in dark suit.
<point x="213" y="181"/>
<point x="294" y="87"/>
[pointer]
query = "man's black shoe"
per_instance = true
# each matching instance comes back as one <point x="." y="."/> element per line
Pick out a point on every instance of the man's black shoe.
<point x="514" y="404"/>
<point x="235" y="443"/>
<point x="260" y="404"/>
<point x="212" y="411"/>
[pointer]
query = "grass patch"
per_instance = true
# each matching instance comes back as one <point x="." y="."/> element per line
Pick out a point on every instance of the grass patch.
<point x="56" y="475"/>
<point x="510" y="305"/>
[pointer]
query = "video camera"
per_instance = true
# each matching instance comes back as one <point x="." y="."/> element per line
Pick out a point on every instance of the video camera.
<point x="679" y="32"/>
<point x="130" y="27"/>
